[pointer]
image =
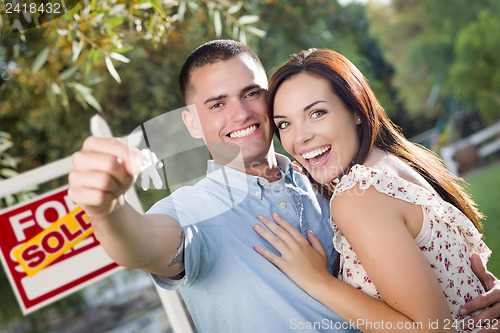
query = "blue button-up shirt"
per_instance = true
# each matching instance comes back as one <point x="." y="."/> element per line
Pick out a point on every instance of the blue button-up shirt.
<point x="228" y="287"/>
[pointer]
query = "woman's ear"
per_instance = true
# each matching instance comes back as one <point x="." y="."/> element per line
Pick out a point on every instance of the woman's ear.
<point x="192" y="123"/>
<point x="357" y="119"/>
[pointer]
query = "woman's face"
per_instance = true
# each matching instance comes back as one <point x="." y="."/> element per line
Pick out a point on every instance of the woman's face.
<point x="315" y="126"/>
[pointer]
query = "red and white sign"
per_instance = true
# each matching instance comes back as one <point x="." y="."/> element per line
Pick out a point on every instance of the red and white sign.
<point x="81" y="265"/>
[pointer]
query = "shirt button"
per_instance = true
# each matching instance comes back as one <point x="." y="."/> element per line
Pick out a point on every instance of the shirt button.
<point x="283" y="204"/>
<point x="262" y="182"/>
<point x="257" y="193"/>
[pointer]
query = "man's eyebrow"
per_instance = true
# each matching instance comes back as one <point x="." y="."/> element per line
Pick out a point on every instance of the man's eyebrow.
<point x="250" y="87"/>
<point x="213" y="99"/>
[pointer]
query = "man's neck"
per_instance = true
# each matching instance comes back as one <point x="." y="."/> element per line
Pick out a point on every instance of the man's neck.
<point x="267" y="170"/>
<point x="266" y="167"/>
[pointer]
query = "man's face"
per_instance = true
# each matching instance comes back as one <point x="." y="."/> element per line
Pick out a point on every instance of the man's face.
<point x="231" y="108"/>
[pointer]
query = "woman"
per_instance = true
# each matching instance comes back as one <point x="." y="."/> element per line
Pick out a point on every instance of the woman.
<point x="404" y="227"/>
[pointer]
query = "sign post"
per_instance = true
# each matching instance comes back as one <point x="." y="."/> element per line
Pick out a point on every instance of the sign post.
<point x="38" y="237"/>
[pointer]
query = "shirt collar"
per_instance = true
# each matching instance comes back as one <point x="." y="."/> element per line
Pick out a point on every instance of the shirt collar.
<point x="239" y="180"/>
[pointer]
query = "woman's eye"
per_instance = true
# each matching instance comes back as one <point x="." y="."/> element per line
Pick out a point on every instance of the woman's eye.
<point x="317" y="113"/>
<point x="282" y="125"/>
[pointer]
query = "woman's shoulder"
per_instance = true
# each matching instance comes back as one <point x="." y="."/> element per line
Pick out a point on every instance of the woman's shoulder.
<point x="387" y="176"/>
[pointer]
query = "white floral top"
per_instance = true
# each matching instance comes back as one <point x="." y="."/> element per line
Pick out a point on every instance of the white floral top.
<point x="453" y="238"/>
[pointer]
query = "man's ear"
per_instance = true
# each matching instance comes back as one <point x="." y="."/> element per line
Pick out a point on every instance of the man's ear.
<point x="192" y="123"/>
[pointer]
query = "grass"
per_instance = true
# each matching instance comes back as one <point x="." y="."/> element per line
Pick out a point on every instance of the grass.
<point x="484" y="186"/>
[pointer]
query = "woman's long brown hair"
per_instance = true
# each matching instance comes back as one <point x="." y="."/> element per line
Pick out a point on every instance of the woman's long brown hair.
<point x="376" y="129"/>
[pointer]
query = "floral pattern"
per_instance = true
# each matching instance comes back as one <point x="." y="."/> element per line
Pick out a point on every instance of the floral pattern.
<point x="453" y="238"/>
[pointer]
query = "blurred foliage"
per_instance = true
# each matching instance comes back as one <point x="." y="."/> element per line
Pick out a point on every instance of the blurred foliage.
<point x="296" y="25"/>
<point x="8" y="166"/>
<point x="418" y="37"/>
<point x="475" y="73"/>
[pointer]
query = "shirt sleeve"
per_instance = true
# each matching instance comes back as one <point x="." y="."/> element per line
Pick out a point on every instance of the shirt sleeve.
<point x="202" y="238"/>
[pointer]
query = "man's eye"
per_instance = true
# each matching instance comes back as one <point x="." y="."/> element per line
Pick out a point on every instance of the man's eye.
<point x="255" y="93"/>
<point x="282" y="125"/>
<point x="216" y="106"/>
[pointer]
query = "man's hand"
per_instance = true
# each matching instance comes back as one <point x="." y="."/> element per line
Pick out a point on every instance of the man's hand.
<point x="489" y="318"/>
<point x="103" y="170"/>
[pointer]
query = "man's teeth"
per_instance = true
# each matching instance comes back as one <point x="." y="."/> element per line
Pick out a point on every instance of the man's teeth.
<point x="315" y="152"/>
<point x="243" y="133"/>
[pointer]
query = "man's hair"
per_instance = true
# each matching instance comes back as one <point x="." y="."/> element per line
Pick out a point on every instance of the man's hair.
<point x="211" y="53"/>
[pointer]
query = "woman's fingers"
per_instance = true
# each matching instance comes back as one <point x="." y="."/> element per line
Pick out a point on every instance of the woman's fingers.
<point x="315" y="243"/>
<point x="290" y="229"/>
<point x="270" y="236"/>
<point x="271" y="257"/>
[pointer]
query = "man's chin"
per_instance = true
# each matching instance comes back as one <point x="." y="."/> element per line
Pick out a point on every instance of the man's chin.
<point x="244" y="153"/>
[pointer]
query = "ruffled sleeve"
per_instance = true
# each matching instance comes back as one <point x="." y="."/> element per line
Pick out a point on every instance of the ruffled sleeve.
<point x="402" y="189"/>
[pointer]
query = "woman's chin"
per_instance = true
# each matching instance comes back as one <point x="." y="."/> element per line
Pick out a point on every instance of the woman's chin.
<point x="323" y="180"/>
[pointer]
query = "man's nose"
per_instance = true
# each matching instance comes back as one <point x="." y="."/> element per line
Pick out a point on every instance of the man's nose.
<point x="239" y="111"/>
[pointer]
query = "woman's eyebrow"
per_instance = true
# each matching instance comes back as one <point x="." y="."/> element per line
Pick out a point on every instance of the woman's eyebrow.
<point x="313" y="104"/>
<point x="305" y="109"/>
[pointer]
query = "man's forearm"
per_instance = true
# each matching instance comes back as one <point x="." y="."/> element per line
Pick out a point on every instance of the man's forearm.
<point x="154" y="243"/>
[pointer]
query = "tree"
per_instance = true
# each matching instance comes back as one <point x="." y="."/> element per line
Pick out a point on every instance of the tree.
<point x="475" y="73"/>
<point x="418" y="38"/>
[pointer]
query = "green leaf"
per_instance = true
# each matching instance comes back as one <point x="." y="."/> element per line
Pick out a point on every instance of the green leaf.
<point x="40" y="59"/>
<point x="182" y="10"/>
<point x="256" y="31"/>
<point x="10" y="200"/>
<point x="158" y="7"/>
<point x="4" y="145"/>
<point x="68" y="73"/>
<point x="76" y="49"/>
<point x="236" y="30"/>
<point x="233" y="9"/>
<point x="119" y="57"/>
<point x="93" y="102"/>
<point x="117" y="10"/>
<point x="243" y="37"/>
<point x="8" y="173"/>
<point x="86" y="94"/>
<point x="248" y="19"/>
<point x="64" y="98"/>
<point x="217" y="23"/>
<point x="112" y="70"/>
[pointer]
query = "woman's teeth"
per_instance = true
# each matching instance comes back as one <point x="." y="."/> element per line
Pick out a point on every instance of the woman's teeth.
<point x="315" y="152"/>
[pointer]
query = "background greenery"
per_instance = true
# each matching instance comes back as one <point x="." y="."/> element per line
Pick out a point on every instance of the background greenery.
<point x="483" y="186"/>
<point x="432" y="64"/>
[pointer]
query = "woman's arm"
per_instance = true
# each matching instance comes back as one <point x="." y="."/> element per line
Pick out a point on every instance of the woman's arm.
<point x="374" y="226"/>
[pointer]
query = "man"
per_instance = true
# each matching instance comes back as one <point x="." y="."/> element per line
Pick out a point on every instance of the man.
<point x="200" y="238"/>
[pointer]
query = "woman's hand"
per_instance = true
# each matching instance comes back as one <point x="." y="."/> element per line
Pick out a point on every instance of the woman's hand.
<point x="304" y="262"/>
